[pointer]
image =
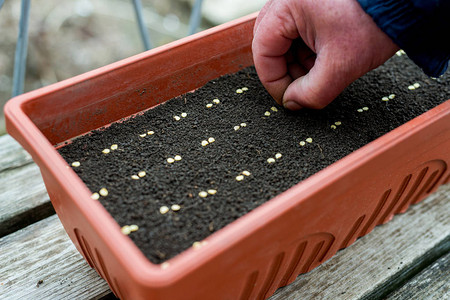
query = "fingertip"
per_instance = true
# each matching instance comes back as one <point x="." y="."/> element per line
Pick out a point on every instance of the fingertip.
<point x="306" y="94"/>
<point x="277" y="88"/>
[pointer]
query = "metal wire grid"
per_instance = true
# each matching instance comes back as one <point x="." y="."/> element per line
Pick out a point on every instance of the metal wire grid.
<point x="22" y="39"/>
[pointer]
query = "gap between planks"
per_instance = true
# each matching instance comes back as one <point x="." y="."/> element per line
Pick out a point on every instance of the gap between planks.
<point x="431" y="283"/>
<point x="23" y="197"/>
<point x="43" y="251"/>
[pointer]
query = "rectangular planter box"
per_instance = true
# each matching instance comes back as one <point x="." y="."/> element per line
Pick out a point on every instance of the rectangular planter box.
<point x="265" y="249"/>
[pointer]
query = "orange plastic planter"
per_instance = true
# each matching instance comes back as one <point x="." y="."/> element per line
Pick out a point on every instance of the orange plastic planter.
<point x="265" y="249"/>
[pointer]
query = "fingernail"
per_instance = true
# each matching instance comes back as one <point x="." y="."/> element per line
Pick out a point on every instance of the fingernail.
<point x="292" y="105"/>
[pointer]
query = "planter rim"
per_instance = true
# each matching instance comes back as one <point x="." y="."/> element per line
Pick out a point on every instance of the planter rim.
<point x="181" y="265"/>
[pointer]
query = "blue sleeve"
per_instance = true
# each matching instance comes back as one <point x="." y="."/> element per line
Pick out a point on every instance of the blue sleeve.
<point x="420" y="27"/>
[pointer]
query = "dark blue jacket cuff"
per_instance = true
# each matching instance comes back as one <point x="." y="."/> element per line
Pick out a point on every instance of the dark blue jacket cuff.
<point x="420" y="27"/>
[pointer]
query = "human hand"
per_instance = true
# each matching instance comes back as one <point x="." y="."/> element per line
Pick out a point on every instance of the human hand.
<point x="306" y="52"/>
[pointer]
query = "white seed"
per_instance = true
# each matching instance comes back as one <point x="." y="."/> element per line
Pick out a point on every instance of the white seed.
<point x="278" y="155"/>
<point x="141" y="174"/>
<point x="385" y="99"/>
<point x="134" y="227"/>
<point x="267" y="113"/>
<point x="309" y="140"/>
<point x="239" y="91"/>
<point x="175" y="207"/>
<point x="243" y="124"/>
<point x="76" y="164"/>
<point x="273" y="108"/>
<point x="411" y="87"/>
<point x="177" y="157"/>
<point x="359" y="110"/>
<point x="416" y="85"/>
<point x="126" y="230"/>
<point x="398" y="53"/>
<point x="135" y="177"/>
<point x="271" y="160"/>
<point x="150" y="132"/>
<point x="337" y="123"/>
<point x="212" y="191"/>
<point x="170" y="160"/>
<point x="143" y="135"/>
<point x="216" y="101"/>
<point x="177" y="118"/>
<point x="240" y="177"/>
<point x="211" y="140"/>
<point x="106" y="151"/>
<point x="333" y="126"/>
<point x="165" y="265"/>
<point x="205" y="143"/>
<point x="196" y="245"/>
<point x="302" y="143"/>
<point x="184" y="115"/>
<point x="95" y="196"/>
<point x="209" y="105"/>
<point x="245" y="88"/>
<point x="103" y="192"/>
<point x="365" y="108"/>
<point x="391" y="96"/>
<point x="246" y="173"/>
<point x="163" y="209"/>
<point x="236" y="128"/>
<point x="203" y="194"/>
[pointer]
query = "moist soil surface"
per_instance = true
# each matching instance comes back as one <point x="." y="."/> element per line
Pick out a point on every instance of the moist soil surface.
<point x="216" y="165"/>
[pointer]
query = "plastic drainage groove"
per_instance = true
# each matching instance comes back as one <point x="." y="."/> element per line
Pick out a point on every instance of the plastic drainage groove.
<point x="309" y="263"/>
<point x="271" y="275"/>
<point x="407" y="199"/>
<point x="310" y="252"/>
<point x="83" y="248"/>
<point x="97" y="264"/>
<point x="440" y="167"/>
<point x="112" y="284"/>
<point x="388" y="213"/>
<point x="351" y="235"/>
<point x="294" y="264"/>
<point x="248" y="287"/>
<point x="371" y="222"/>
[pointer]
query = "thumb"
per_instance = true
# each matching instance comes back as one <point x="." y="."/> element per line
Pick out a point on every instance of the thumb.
<point x="321" y="85"/>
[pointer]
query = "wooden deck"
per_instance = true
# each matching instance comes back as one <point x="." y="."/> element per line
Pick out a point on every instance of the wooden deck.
<point x="408" y="258"/>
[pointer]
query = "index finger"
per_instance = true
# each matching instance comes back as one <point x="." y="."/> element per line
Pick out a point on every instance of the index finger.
<point x="272" y="39"/>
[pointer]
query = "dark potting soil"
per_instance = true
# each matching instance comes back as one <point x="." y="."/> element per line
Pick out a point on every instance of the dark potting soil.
<point x="216" y="166"/>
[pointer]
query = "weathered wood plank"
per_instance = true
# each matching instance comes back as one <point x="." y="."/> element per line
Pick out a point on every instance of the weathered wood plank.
<point x="12" y="155"/>
<point x="379" y="262"/>
<point x="43" y="251"/>
<point x="432" y="283"/>
<point x="368" y="265"/>
<point x="23" y="198"/>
